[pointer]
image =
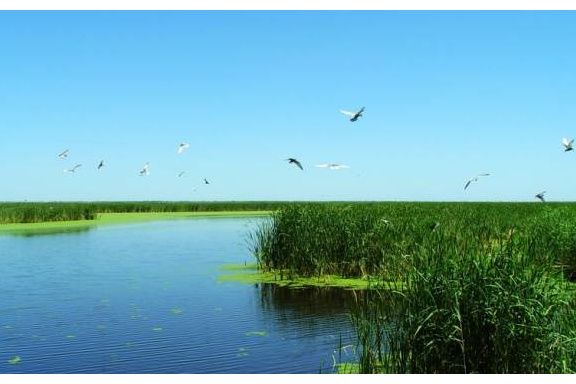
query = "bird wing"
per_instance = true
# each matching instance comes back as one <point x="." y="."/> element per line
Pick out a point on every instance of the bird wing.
<point x="182" y="147"/>
<point x="565" y="142"/>
<point x="484" y="174"/>
<point x="360" y="111"/>
<point x="63" y="153"/>
<point x="298" y="164"/>
<point x="76" y="166"/>
<point x="467" y="184"/>
<point x="347" y="113"/>
<point x="323" y="165"/>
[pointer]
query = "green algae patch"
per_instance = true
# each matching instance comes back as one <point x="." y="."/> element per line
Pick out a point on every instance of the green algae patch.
<point x="53" y="227"/>
<point x="176" y="311"/>
<point x="15" y="360"/>
<point x="250" y="274"/>
<point x="257" y="333"/>
<point x="157" y="329"/>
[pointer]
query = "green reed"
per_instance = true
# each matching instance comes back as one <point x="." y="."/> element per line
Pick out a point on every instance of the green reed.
<point x="484" y="285"/>
<point x="33" y="212"/>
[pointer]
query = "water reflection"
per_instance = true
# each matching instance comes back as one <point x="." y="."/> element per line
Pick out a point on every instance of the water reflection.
<point x="33" y="232"/>
<point x="318" y="314"/>
<point x="316" y="301"/>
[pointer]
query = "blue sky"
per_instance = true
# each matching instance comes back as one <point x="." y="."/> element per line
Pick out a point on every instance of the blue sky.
<point x="447" y="95"/>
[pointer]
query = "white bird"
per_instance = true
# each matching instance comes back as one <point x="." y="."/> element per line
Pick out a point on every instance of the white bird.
<point x="567" y="144"/>
<point x="73" y="169"/>
<point x="64" y="154"/>
<point x="182" y="147"/>
<point x="474" y="179"/>
<point x="332" y="166"/>
<point x="540" y="196"/>
<point x="145" y="170"/>
<point x="353" y="115"/>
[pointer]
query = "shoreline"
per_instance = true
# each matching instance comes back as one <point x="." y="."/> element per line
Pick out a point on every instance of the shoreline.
<point x="121" y="218"/>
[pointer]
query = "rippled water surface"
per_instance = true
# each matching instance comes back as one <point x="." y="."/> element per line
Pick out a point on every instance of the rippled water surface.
<point x="145" y="298"/>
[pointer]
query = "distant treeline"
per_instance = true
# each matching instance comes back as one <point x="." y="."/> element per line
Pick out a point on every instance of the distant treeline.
<point x="34" y="212"/>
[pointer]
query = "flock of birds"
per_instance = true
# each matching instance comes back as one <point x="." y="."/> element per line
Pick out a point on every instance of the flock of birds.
<point x="145" y="171"/>
<point x="353" y="116"/>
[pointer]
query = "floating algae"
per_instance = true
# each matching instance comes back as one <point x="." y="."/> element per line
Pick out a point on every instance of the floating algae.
<point x="257" y="333"/>
<point x="249" y="274"/>
<point x="15" y="360"/>
<point x="242" y="352"/>
<point x="157" y="329"/>
<point x="176" y="311"/>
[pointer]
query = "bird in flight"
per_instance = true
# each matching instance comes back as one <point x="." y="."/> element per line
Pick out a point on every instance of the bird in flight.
<point x="353" y="115"/>
<point x="101" y="164"/>
<point x="567" y="144"/>
<point x="540" y="196"/>
<point x="474" y="179"/>
<point x="181" y="173"/>
<point x="145" y="170"/>
<point x="206" y="181"/>
<point x="64" y="154"/>
<point x="73" y="169"/>
<point x="290" y="160"/>
<point x="333" y="166"/>
<point x="182" y="147"/>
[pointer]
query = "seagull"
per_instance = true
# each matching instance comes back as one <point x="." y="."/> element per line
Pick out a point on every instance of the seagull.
<point x="474" y="179"/>
<point x="64" y="154"/>
<point x="72" y="170"/>
<point x="101" y="164"/>
<point x="145" y="171"/>
<point x="541" y="196"/>
<point x="353" y="115"/>
<point x="181" y="173"/>
<point x="206" y="181"/>
<point x="333" y="167"/>
<point x="567" y="144"/>
<point x="182" y="147"/>
<point x="294" y="161"/>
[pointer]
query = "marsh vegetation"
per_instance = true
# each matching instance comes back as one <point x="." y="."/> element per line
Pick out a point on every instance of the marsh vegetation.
<point x="485" y="287"/>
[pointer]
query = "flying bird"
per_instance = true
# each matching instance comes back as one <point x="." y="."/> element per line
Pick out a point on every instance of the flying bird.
<point x="64" y="154"/>
<point x="333" y="166"/>
<point x="353" y="115"/>
<point x="182" y="147"/>
<point x="567" y="144"/>
<point x="101" y="164"/>
<point x="540" y="196"/>
<point x="145" y="170"/>
<point x="181" y="173"/>
<point x="294" y="161"/>
<point x="474" y="179"/>
<point x="206" y="181"/>
<point x="73" y="169"/>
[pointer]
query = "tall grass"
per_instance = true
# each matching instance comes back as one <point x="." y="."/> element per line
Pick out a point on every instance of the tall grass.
<point x="484" y="284"/>
<point x="34" y="212"/>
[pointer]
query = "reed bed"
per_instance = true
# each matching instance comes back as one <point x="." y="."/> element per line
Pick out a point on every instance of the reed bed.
<point x="486" y="287"/>
<point x="34" y="212"/>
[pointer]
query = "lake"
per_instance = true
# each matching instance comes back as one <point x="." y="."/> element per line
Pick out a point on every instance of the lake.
<point x="146" y="298"/>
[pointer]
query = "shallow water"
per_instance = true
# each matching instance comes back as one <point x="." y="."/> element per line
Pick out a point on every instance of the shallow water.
<point x="145" y="298"/>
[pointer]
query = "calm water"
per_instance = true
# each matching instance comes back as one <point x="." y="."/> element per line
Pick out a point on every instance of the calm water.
<point x="145" y="298"/>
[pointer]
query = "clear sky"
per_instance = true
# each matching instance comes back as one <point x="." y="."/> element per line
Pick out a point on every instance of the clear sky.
<point x="448" y="95"/>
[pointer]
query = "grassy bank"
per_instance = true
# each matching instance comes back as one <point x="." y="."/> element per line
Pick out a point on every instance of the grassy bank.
<point x="117" y="218"/>
<point x="37" y="212"/>
<point x="486" y="287"/>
